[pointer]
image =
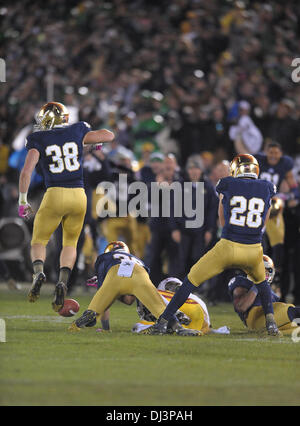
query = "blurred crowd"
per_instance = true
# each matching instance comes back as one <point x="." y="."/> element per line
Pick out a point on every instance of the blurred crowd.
<point x="185" y="85"/>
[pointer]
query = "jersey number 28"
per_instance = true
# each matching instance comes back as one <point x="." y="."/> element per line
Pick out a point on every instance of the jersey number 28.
<point x="64" y="158"/>
<point x="246" y="212"/>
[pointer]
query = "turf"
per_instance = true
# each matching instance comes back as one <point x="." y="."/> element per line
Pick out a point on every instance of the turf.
<point x="43" y="364"/>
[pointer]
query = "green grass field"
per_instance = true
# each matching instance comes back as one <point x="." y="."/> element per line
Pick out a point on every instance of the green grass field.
<point x="43" y="364"/>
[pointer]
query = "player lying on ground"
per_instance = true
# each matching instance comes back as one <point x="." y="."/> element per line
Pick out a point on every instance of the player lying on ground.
<point x="121" y="275"/>
<point x="58" y="148"/>
<point x="193" y="313"/>
<point x="247" y="303"/>
<point x="244" y="208"/>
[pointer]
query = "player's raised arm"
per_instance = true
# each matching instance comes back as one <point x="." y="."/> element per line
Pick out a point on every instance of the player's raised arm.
<point x="98" y="136"/>
<point x="31" y="161"/>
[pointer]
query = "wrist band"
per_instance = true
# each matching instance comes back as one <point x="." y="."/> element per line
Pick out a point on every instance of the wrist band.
<point x="23" y="198"/>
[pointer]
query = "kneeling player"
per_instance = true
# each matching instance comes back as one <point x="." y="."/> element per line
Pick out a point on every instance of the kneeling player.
<point x="120" y="274"/>
<point x="247" y="303"/>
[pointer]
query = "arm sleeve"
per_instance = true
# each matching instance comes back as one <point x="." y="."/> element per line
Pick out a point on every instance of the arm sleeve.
<point x="221" y="186"/>
<point x="100" y="269"/>
<point x="238" y="281"/>
<point x="273" y="189"/>
<point x="84" y="128"/>
<point x="31" y="142"/>
<point x="231" y="287"/>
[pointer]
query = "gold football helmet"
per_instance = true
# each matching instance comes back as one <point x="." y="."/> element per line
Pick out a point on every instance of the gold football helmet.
<point x="269" y="268"/>
<point x="52" y="114"/>
<point x="244" y="165"/>
<point x="116" y="245"/>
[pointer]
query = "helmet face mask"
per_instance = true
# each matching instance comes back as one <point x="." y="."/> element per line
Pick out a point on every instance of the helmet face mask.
<point x="170" y="284"/>
<point x="269" y="268"/>
<point x="52" y="114"/>
<point x="116" y="245"/>
<point x="244" y="165"/>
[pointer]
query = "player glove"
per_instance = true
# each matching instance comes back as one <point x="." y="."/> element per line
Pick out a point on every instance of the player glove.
<point x="92" y="282"/>
<point x="182" y="318"/>
<point x="25" y="211"/>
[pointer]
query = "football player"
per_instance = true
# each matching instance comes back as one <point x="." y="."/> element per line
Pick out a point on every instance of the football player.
<point x="58" y="147"/>
<point x="244" y="207"/>
<point x="277" y="168"/>
<point x="247" y="303"/>
<point x="121" y="275"/>
<point x="193" y="313"/>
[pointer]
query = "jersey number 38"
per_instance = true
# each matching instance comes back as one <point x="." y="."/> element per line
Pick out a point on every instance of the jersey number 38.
<point x="246" y="212"/>
<point x="64" y="158"/>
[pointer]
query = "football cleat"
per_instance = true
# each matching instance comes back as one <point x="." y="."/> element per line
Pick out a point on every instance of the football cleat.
<point x="73" y="327"/>
<point x="174" y="327"/>
<point x="38" y="280"/>
<point x="271" y="326"/>
<point x="59" y="296"/>
<point x="244" y="165"/>
<point x="116" y="245"/>
<point x="189" y="332"/>
<point x="87" y="319"/>
<point x="163" y="326"/>
<point x="52" y="114"/>
<point x="160" y="327"/>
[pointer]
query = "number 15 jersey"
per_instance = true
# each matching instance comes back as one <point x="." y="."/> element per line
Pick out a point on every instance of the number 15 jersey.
<point x="246" y="203"/>
<point x="61" y="152"/>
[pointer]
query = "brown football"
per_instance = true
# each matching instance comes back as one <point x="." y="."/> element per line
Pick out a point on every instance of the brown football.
<point x="70" y="308"/>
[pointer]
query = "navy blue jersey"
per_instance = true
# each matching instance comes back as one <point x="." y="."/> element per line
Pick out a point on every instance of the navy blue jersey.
<point x="240" y="281"/>
<point x="274" y="174"/>
<point x="106" y="260"/>
<point x="246" y="203"/>
<point x="61" y="152"/>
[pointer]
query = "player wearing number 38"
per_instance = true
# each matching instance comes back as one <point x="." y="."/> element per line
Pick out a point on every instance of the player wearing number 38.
<point x="58" y="147"/>
<point x="244" y="207"/>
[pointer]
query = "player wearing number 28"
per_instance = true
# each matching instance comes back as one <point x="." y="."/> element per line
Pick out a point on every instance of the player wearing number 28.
<point x="244" y="207"/>
<point x="58" y="148"/>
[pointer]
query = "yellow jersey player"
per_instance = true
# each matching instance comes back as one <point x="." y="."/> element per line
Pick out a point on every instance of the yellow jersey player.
<point x="244" y="207"/>
<point x="192" y="314"/>
<point x="58" y="148"/>
<point x="120" y="275"/>
<point x="247" y="303"/>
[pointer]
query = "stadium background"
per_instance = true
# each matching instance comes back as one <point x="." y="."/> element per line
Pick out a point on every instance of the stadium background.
<point x="167" y="78"/>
